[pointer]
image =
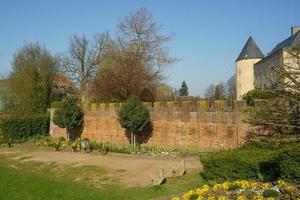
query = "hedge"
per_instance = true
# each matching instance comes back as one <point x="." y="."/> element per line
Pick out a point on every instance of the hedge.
<point x="253" y="162"/>
<point x="24" y="127"/>
<point x="288" y="162"/>
<point x="234" y="164"/>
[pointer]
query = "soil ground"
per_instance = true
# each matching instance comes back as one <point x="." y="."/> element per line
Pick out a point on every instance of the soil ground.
<point x="129" y="169"/>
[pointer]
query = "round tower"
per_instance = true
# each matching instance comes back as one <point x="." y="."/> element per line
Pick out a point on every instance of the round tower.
<point x="249" y="55"/>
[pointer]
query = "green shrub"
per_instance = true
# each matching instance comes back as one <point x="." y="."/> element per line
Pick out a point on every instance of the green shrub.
<point x="270" y="193"/>
<point x="269" y="170"/>
<point x="134" y="117"/>
<point x="255" y="160"/>
<point x="255" y="94"/>
<point x="69" y="115"/>
<point x="55" y="104"/>
<point x="234" y="164"/>
<point x="269" y="143"/>
<point x="289" y="164"/>
<point x="20" y="128"/>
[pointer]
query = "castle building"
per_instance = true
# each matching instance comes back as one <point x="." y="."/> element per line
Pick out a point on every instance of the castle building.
<point x="253" y="69"/>
<point x="249" y="55"/>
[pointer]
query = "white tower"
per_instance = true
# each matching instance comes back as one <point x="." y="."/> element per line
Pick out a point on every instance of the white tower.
<point x="250" y="55"/>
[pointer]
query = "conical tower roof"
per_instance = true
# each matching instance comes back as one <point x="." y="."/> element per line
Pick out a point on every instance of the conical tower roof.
<point x="250" y="50"/>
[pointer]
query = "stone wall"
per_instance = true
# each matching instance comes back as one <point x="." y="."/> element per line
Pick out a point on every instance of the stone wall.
<point x="190" y="125"/>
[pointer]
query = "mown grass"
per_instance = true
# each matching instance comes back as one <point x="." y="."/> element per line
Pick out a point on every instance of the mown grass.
<point x="33" y="180"/>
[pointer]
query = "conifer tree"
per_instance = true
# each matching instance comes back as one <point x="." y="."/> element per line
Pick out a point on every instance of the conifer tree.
<point x="184" y="91"/>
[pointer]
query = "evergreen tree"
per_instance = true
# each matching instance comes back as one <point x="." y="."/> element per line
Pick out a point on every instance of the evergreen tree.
<point x="184" y="91"/>
<point x="134" y="117"/>
<point x="69" y="115"/>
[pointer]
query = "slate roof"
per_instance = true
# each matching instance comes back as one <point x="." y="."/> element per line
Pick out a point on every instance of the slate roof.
<point x="250" y="50"/>
<point x="292" y="41"/>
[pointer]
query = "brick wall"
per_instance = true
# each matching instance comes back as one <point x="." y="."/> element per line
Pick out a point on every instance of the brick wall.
<point x="191" y="125"/>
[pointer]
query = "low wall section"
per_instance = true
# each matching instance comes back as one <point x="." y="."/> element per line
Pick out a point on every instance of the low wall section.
<point x="185" y="125"/>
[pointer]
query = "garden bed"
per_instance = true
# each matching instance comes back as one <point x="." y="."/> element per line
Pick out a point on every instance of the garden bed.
<point x="244" y="190"/>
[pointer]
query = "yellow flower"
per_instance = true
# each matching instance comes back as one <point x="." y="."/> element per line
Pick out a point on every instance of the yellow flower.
<point x="266" y="186"/>
<point x="203" y="190"/>
<point x="189" y="195"/>
<point x="241" y="197"/>
<point x="205" y="187"/>
<point x="200" y="197"/>
<point x="216" y="187"/>
<point x="175" y="198"/>
<point x="225" y="186"/>
<point x="254" y="185"/>
<point x="211" y="198"/>
<point x="258" y="198"/>
<point x="243" y="184"/>
<point x="281" y="183"/>
<point x="222" y="198"/>
<point x="270" y="198"/>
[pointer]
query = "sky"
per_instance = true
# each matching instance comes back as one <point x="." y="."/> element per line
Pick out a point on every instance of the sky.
<point x="208" y="35"/>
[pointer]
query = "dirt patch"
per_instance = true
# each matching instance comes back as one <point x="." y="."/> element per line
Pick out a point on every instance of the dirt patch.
<point x="129" y="170"/>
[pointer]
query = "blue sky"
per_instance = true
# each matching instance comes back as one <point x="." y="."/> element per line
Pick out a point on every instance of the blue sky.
<point x="208" y="34"/>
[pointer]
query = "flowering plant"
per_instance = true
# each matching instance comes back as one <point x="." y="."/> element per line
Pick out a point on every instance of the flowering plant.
<point x="244" y="190"/>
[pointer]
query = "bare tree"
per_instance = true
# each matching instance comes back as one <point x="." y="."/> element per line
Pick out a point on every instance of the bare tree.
<point x="141" y="34"/>
<point x="231" y="89"/>
<point x="121" y="74"/>
<point x="135" y="61"/>
<point x="82" y="59"/>
<point x="210" y="91"/>
<point x="220" y="92"/>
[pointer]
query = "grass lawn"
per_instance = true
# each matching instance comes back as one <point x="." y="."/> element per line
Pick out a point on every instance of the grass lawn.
<point x="30" y="182"/>
<point x="16" y="185"/>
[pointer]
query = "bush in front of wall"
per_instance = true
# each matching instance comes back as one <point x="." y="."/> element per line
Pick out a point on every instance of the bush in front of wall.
<point x="20" y="128"/>
<point x="288" y="162"/>
<point x="259" y="161"/>
<point x="235" y="164"/>
<point x="69" y="115"/>
<point x="134" y="117"/>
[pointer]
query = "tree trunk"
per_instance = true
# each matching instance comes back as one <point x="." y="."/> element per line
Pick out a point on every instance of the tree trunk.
<point x="68" y="136"/>
<point x="134" y="142"/>
<point x="131" y="139"/>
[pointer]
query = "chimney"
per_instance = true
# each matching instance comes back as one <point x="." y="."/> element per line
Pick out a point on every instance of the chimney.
<point x="294" y="30"/>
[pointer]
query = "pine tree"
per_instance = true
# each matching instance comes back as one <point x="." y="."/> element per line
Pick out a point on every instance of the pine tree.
<point x="184" y="91"/>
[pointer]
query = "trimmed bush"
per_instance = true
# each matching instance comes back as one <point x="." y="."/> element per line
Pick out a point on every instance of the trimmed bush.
<point x="134" y="117"/>
<point x="282" y="161"/>
<point x="289" y="164"/>
<point x="69" y="115"/>
<point x="234" y="164"/>
<point x="24" y="127"/>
